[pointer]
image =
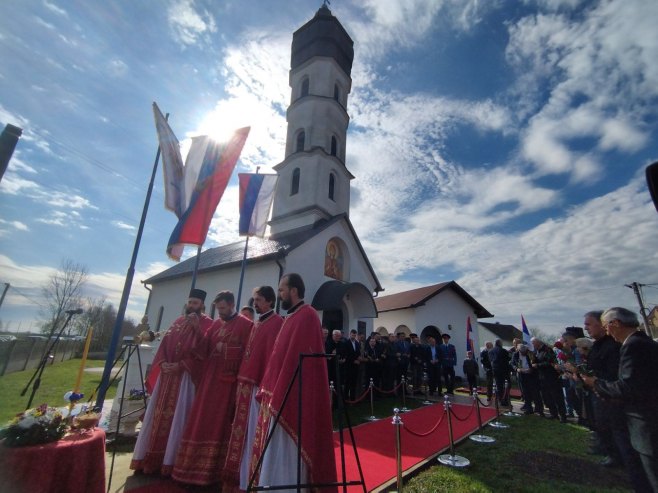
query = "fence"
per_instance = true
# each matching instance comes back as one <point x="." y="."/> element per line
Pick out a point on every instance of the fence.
<point x="25" y="353"/>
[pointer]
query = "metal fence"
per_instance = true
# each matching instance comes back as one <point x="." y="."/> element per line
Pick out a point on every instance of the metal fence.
<point x="25" y="353"/>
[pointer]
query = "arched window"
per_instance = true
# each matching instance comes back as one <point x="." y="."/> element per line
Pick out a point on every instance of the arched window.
<point x="336" y="92"/>
<point x="305" y="84"/>
<point x="301" y="137"/>
<point x="294" y="187"/>
<point x="332" y="185"/>
<point x="334" y="145"/>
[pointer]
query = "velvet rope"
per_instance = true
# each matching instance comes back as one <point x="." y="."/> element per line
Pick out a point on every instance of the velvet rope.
<point x="483" y="404"/>
<point x="467" y="416"/>
<point x="389" y="391"/>
<point x="427" y="433"/>
<point x="359" y="399"/>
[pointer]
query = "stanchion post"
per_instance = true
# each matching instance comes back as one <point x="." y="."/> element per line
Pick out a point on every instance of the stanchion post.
<point x="480" y="438"/>
<point x="427" y="388"/>
<point x="397" y="422"/>
<point x="496" y="423"/>
<point x="332" y="389"/>
<point x="451" y="459"/>
<point x="404" y="395"/>
<point x="371" y="386"/>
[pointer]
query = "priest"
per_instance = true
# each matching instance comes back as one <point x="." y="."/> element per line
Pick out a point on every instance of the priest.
<point x="300" y="334"/>
<point x="205" y="439"/>
<point x="174" y="375"/>
<point x="247" y="408"/>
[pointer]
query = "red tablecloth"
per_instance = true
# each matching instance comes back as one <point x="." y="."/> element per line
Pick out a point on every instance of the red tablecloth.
<point x="74" y="464"/>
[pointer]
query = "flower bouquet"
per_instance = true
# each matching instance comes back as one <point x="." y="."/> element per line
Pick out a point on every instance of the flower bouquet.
<point x="42" y="424"/>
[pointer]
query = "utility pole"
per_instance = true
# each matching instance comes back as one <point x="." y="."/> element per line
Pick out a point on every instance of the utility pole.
<point x="643" y="311"/>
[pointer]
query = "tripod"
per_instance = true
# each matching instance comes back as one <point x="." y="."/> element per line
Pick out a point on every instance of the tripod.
<point x="297" y="378"/>
<point x="36" y="377"/>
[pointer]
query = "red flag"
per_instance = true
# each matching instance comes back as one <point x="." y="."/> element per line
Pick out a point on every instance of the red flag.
<point x="215" y="171"/>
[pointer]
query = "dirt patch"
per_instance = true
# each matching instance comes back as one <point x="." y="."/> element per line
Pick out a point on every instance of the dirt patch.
<point x="551" y="466"/>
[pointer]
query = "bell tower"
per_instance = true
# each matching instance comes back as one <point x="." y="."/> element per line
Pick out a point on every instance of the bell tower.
<point x="314" y="184"/>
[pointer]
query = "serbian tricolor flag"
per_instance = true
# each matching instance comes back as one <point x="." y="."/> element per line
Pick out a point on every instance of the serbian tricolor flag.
<point x="526" y="332"/>
<point x="209" y="167"/>
<point x="256" y="194"/>
<point x="469" y="335"/>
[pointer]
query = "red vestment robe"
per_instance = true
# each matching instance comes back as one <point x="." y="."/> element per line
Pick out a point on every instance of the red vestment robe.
<point x="301" y="333"/>
<point x="205" y="439"/>
<point x="252" y="369"/>
<point x="176" y="347"/>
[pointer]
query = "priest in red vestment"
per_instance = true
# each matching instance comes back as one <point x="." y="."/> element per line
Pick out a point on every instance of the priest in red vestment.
<point x="252" y="369"/>
<point x="202" y="452"/>
<point x="301" y="333"/>
<point x="174" y="373"/>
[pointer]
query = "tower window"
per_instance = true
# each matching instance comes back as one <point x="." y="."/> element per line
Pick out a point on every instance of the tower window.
<point x="336" y="92"/>
<point x="332" y="185"/>
<point x="334" y="145"/>
<point x="305" y="85"/>
<point x="294" y="188"/>
<point x="301" y="137"/>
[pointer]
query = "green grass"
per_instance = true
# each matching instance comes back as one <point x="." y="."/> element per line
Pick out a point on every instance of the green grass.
<point x="534" y="455"/>
<point x="56" y="380"/>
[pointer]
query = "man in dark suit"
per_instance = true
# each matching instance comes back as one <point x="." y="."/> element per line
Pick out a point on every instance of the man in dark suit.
<point x="352" y="348"/>
<point x="637" y="387"/>
<point x="448" y="362"/>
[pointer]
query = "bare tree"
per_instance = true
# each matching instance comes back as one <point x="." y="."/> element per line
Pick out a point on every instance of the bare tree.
<point x="61" y="294"/>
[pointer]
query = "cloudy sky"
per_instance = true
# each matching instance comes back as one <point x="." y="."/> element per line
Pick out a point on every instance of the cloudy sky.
<point x="501" y="144"/>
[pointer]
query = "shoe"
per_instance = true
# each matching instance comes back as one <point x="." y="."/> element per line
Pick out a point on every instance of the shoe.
<point x="571" y="415"/>
<point x="595" y="451"/>
<point x="541" y="415"/>
<point x="528" y="412"/>
<point x="610" y="462"/>
<point x="563" y="419"/>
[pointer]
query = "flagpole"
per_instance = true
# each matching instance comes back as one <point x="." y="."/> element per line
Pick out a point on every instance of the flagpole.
<point x="116" y="332"/>
<point x="196" y="267"/>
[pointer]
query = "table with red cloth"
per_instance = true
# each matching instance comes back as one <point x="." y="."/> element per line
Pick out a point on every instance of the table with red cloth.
<point x="74" y="464"/>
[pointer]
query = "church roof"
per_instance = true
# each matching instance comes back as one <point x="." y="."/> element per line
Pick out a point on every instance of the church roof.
<point x="260" y="249"/>
<point x="419" y="296"/>
<point x="502" y="331"/>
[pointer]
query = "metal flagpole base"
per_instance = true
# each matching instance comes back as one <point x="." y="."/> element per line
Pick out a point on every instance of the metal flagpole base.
<point x="453" y="460"/>
<point x="498" y="424"/>
<point x="512" y="413"/>
<point x="482" y="439"/>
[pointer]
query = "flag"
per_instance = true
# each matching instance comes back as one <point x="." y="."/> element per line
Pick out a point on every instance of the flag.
<point x="172" y="164"/>
<point x="469" y="333"/>
<point x="215" y="166"/>
<point x="526" y="332"/>
<point x="256" y="194"/>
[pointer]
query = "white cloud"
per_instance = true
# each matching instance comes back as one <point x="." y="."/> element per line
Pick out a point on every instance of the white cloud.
<point x="16" y="224"/>
<point x="122" y="225"/>
<point x="54" y="8"/>
<point x="189" y="25"/>
<point x="117" y="68"/>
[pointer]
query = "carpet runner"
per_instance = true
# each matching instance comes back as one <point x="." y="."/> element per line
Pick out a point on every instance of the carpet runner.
<point x="376" y="445"/>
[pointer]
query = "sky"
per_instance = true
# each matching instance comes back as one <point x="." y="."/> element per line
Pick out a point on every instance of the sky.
<point x="500" y="144"/>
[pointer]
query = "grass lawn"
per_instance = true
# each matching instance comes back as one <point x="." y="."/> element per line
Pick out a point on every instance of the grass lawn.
<point x="534" y="455"/>
<point x="56" y="380"/>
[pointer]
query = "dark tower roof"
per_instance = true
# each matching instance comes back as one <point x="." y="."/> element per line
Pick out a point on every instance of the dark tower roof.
<point x="322" y="36"/>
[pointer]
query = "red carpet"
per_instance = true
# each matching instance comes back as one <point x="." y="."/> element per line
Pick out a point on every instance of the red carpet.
<point x="376" y="442"/>
<point x="376" y="445"/>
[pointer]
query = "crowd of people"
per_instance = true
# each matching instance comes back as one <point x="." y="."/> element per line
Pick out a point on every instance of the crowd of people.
<point x="388" y="360"/>
<point x="221" y="409"/>
<point x="607" y="380"/>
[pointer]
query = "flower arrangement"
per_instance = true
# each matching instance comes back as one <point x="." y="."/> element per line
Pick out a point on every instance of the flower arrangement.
<point x="42" y="424"/>
<point x="137" y="395"/>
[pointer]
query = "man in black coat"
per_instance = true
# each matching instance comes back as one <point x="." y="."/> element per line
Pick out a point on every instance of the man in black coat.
<point x="500" y="363"/>
<point x="637" y="387"/>
<point x="352" y="353"/>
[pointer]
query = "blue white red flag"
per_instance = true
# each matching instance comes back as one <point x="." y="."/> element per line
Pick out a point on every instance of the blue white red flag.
<point x="256" y="194"/>
<point x="469" y="335"/>
<point x="172" y="164"/>
<point x="215" y="166"/>
<point x="526" y="332"/>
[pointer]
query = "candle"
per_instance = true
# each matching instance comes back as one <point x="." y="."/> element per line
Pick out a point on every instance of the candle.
<point x="76" y="389"/>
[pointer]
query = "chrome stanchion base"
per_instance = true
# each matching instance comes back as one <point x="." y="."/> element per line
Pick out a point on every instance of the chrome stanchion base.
<point x="404" y="409"/>
<point x="427" y="402"/>
<point x="453" y="460"/>
<point x="373" y="418"/>
<point x="482" y="439"/>
<point x="498" y="424"/>
<point x="512" y="413"/>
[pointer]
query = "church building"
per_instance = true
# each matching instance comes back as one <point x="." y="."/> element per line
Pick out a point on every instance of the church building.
<point x="311" y="233"/>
